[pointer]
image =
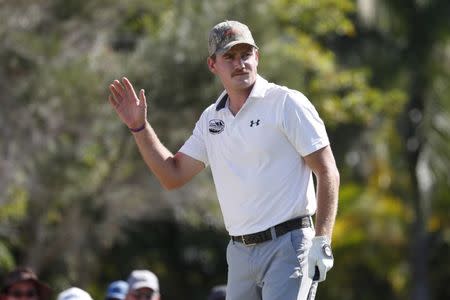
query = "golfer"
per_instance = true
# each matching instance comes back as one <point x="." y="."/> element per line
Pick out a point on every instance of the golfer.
<point x="262" y="142"/>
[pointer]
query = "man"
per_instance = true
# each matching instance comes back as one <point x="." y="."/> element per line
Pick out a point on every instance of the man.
<point x="23" y="283"/>
<point x="218" y="292"/>
<point x="262" y="142"/>
<point x="74" y="293"/>
<point x="143" y="285"/>
<point x="117" y="290"/>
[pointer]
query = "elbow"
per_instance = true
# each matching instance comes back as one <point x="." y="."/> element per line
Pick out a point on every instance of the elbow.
<point x="330" y="175"/>
<point x="170" y="185"/>
<point x="337" y="176"/>
<point x="167" y="187"/>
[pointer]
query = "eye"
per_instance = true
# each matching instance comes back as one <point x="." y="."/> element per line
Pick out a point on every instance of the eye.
<point x="246" y="55"/>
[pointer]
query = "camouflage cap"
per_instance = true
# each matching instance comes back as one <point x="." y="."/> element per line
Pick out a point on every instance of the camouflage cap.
<point x="226" y="34"/>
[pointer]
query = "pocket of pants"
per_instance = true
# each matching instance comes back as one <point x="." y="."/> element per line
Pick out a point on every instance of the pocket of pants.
<point x="301" y="241"/>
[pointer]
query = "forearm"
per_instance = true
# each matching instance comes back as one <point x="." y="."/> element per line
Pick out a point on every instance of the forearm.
<point x="171" y="170"/>
<point x="157" y="157"/>
<point x="327" y="201"/>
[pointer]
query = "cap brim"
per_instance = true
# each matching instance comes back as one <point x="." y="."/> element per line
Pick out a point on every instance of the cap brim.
<point x="231" y="44"/>
<point x="140" y="285"/>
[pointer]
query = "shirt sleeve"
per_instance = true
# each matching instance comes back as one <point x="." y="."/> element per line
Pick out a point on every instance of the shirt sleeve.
<point x="195" y="145"/>
<point x="302" y="124"/>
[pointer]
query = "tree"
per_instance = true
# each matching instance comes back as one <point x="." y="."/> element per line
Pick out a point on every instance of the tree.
<point x="405" y="42"/>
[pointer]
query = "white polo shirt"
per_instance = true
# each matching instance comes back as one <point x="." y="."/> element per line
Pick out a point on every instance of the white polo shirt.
<point x="256" y="159"/>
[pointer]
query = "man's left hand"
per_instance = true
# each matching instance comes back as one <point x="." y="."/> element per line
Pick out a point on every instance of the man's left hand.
<point x="320" y="256"/>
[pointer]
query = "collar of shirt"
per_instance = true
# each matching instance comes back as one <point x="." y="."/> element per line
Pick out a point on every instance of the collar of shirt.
<point x="258" y="91"/>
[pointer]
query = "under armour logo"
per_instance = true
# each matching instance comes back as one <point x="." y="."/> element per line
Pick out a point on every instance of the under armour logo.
<point x="256" y="123"/>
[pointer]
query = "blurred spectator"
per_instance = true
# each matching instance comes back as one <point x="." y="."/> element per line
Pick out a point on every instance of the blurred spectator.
<point x="143" y="285"/>
<point x="24" y="283"/>
<point x="218" y="293"/>
<point x="117" y="290"/>
<point x="74" y="293"/>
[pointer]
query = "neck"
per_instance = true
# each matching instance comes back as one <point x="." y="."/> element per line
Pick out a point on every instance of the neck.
<point x="237" y="99"/>
<point x="236" y="102"/>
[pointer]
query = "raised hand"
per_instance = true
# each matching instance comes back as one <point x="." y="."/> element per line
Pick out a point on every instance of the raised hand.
<point x="130" y="108"/>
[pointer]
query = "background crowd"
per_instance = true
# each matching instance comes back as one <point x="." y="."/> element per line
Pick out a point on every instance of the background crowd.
<point x="23" y="284"/>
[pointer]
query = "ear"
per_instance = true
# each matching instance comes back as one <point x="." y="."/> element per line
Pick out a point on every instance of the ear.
<point x="257" y="56"/>
<point x="211" y="64"/>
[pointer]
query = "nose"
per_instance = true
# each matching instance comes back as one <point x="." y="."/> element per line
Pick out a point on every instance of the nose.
<point x="239" y="63"/>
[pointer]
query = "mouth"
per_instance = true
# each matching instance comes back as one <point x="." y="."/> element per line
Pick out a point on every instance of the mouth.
<point x="239" y="74"/>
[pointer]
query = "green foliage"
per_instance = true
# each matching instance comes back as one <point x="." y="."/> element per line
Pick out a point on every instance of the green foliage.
<point x="6" y="258"/>
<point x="317" y="18"/>
<point x="16" y="207"/>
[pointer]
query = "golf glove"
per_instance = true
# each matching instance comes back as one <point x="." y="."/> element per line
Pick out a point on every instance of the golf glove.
<point x="320" y="258"/>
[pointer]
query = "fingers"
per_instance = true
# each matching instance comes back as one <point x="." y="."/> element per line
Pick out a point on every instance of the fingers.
<point x="120" y="92"/>
<point x="142" y="99"/>
<point x="321" y="273"/>
<point x="311" y="269"/>
<point x="113" y="102"/>
<point x="119" y="88"/>
<point x="117" y="97"/>
<point x="124" y="91"/>
<point x="129" y="87"/>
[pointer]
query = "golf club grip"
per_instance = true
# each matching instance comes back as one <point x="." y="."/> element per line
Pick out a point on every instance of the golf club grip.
<point x="316" y="274"/>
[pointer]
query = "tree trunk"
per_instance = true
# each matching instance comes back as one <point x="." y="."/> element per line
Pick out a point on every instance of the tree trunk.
<point x="419" y="235"/>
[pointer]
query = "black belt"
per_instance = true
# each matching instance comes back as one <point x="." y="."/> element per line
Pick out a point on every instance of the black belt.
<point x="280" y="229"/>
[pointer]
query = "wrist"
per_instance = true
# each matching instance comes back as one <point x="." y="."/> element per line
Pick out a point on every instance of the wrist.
<point x="322" y="239"/>
<point x="138" y="129"/>
<point x="321" y="248"/>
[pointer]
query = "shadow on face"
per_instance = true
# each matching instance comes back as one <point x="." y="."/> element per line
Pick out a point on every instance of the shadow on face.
<point x="142" y="294"/>
<point x="25" y="290"/>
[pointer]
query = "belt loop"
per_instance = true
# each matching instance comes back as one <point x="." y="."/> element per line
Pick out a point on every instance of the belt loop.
<point x="273" y="233"/>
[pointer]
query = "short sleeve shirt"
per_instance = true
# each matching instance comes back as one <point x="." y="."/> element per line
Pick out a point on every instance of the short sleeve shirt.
<point x="256" y="156"/>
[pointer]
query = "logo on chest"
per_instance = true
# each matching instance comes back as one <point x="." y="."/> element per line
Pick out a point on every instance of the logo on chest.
<point x="255" y="122"/>
<point x="216" y="126"/>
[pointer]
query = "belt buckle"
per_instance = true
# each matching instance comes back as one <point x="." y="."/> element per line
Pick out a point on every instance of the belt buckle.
<point x="245" y="243"/>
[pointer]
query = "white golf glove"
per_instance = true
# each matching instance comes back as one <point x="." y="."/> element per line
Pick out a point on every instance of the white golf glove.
<point x="320" y="257"/>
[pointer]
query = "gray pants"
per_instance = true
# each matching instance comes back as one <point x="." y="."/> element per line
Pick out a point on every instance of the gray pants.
<point x="273" y="270"/>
